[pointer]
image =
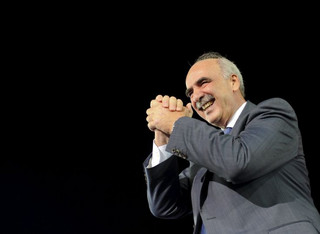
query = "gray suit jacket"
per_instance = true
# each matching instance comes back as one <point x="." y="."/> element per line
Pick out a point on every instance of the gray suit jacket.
<point x="252" y="181"/>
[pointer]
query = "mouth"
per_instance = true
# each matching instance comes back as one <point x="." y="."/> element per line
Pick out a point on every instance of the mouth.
<point x="206" y="105"/>
<point x="205" y="102"/>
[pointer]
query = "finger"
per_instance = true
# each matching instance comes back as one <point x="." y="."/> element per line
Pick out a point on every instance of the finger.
<point x="190" y="110"/>
<point x="148" y="111"/>
<point x="159" y="98"/>
<point x="165" y="101"/>
<point x="172" y="103"/>
<point x="153" y="102"/>
<point x="148" y="118"/>
<point x="179" y="105"/>
<point x="151" y="127"/>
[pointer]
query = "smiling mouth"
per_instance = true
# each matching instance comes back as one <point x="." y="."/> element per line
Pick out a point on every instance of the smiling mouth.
<point x="206" y="105"/>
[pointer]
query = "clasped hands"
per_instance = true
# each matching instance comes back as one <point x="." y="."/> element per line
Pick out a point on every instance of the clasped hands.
<point x="164" y="111"/>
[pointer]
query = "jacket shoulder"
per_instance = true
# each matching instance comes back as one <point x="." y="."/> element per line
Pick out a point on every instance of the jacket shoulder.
<point x="276" y="101"/>
<point x="274" y="106"/>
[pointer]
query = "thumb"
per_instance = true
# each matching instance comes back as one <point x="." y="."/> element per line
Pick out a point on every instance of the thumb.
<point x="189" y="107"/>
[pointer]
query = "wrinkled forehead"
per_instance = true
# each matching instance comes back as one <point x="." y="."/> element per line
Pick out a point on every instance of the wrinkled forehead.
<point x="202" y="69"/>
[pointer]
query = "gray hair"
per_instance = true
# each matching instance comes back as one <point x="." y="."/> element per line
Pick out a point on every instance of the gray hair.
<point x="228" y="67"/>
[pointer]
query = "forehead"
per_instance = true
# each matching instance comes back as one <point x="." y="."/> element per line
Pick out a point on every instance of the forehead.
<point x="208" y="68"/>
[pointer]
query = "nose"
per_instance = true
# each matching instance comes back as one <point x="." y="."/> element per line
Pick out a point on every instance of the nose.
<point x="196" y="96"/>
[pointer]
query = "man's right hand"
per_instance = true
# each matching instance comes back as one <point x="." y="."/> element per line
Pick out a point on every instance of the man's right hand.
<point x="172" y="104"/>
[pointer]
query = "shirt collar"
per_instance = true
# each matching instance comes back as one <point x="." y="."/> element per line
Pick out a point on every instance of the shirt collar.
<point x="236" y="115"/>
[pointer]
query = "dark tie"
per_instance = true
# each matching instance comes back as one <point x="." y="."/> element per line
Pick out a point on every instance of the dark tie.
<point x="227" y="130"/>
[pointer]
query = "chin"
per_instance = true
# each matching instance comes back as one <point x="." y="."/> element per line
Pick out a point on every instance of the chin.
<point x="210" y="119"/>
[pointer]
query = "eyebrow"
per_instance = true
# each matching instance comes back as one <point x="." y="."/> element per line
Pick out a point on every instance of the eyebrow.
<point x="198" y="83"/>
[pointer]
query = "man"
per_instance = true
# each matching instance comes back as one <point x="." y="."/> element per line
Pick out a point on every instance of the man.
<point x="251" y="180"/>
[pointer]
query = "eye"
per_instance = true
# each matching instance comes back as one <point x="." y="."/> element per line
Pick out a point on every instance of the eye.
<point x="188" y="94"/>
<point x="204" y="82"/>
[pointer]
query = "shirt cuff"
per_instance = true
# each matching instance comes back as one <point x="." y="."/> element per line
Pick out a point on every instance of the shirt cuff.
<point x="159" y="154"/>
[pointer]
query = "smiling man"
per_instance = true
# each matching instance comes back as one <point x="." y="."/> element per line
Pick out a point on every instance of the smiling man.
<point x="250" y="180"/>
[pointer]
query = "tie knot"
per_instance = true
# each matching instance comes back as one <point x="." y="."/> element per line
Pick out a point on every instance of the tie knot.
<point x="227" y="130"/>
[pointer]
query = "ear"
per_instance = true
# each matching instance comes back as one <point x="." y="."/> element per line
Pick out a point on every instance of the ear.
<point x="235" y="82"/>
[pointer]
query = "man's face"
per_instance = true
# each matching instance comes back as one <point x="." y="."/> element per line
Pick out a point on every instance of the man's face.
<point x="210" y="94"/>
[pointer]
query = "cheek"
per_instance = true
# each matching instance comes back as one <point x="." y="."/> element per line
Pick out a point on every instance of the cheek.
<point x="200" y="113"/>
<point x="214" y="116"/>
<point x="193" y="105"/>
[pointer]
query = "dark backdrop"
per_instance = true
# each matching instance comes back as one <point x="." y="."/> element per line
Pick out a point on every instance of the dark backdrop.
<point x="75" y="103"/>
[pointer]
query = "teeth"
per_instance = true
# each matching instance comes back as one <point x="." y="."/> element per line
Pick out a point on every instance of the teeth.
<point x="205" y="106"/>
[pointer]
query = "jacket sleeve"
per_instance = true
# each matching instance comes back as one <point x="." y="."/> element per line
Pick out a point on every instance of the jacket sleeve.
<point x="169" y="188"/>
<point x="268" y="139"/>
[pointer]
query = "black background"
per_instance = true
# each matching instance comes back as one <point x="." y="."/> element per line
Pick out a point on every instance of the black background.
<point x="78" y="89"/>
